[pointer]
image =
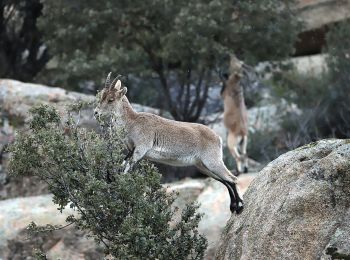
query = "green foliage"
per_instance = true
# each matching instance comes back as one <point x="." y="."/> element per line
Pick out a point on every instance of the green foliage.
<point x="307" y="91"/>
<point x="39" y="255"/>
<point x="22" y="54"/>
<point x="338" y="107"/>
<point x="263" y="146"/>
<point x="265" y="29"/>
<point x="338" y="48"/>
<point x="129" y="214"/>
<point x="180" y="43"/>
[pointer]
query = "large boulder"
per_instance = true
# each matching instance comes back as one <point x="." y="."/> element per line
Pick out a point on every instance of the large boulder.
<point x="68" y="243"/>
<point x="298" y="207"/>
<point x="16" y="214"/>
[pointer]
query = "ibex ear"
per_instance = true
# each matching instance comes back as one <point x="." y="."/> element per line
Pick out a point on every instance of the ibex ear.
<point x="118" y="85"/>
<point x="123" y="91"/>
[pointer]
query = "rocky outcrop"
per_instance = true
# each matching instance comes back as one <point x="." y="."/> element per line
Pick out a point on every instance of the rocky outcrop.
<point x="15" y="243"/>
<point x="68" y="243"/>
<point x="317" y="16"/>
<point x="16" y="214"/>
<point x="313" y="65"/>
<point x="16" y="98"/>
<point x="318" y="13"/>
<point x="298" y="207"/>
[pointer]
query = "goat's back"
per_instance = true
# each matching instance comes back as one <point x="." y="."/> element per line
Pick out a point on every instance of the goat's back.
<point x="173" y="134"/>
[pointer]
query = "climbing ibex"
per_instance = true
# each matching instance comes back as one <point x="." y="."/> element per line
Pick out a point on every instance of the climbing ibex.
<point x="235" y="115"/>
<point x="167" y="141"/>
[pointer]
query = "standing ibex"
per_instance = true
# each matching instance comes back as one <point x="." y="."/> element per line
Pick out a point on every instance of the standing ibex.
<point x="166" y="141"/>
<point x="235" y="114"/>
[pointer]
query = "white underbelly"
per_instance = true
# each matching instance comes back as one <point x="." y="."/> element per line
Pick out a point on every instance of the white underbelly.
<point x="170" y="158"/>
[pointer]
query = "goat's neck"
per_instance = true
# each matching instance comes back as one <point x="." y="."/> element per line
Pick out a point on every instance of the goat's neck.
<point x="125" y="114"/>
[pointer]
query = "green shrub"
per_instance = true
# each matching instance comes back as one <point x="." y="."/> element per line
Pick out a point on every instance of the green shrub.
<point x="307" y="91"/>
<point x="263" y="147"/>
<point x="129" y="214"/>
<point x="337" y="117"/>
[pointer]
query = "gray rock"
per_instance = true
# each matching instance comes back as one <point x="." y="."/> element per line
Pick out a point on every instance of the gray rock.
<point x="15" y="243"/>
<point x="310" y="65"/>
<point x="318" y="13"/>
<point x="317" y="17"/>
<point x="16" y="214"/>
<point x="339" y="245"/>
<point x="67" y="243"/>
<point x="16" y="98"/>
<point x="296" y="208"/>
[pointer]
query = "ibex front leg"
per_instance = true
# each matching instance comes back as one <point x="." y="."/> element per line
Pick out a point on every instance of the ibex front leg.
<point x="137" y="154"/>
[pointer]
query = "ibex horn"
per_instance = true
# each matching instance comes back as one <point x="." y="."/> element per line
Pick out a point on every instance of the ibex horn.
<point x="108" y="80"/>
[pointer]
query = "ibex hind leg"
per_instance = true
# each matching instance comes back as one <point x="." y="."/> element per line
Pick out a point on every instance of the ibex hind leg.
<point x="244" y="153"/>
<point x="205" y="171"/>
<point x="232" y="146"/>
<point x="222" y="174"/>
<point x="220" y="170"/>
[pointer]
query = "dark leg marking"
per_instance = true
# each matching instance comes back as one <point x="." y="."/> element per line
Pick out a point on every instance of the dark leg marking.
<point x="236" y="172"/>
<point x="239" y="201"/>
<point x="233" y="202"/>
<point x="129" y="155"/>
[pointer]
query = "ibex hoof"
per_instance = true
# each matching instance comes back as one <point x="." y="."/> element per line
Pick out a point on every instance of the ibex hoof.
<point x="245" y="169"/>
<point x="237" y="208"/>
<point x="235" y="172"/>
